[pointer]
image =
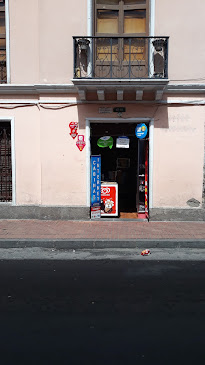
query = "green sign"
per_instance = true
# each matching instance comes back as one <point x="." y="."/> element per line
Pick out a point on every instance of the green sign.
<point x="105" y="141"/>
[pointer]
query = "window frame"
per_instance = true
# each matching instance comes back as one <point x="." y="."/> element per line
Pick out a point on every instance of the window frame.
<point x="121" y="7"/>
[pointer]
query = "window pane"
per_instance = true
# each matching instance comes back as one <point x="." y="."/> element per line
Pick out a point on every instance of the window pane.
<point x="135" y="21"/>
<point x="134" y="50"/>
<point x="2" y="43"/>
<point x="2" y="23"/>
<point x="107" y="49"/>
<point x="108" y="2"/>
<point x="107" y="21"/>
<point x="2" y="56"/>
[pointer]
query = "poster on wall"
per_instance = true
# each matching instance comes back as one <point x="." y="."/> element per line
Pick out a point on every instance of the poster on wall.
<point x="73" y="129"/>
<point x="95" y="188"/>
<point x="122" y="142"/>
<point x="141" y="130"/>
<point x="80" y="142"/>
<point x="106" y="141"/>
<point x="109" y="199"/>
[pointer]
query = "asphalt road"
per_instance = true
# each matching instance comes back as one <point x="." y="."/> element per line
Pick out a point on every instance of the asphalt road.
<point x="104" y="311"/>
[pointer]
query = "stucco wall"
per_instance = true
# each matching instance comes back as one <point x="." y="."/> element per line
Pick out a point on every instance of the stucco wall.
<point x="41" y="45"/>
<point x="28" y="156"/>
<point x="178" y="156"/>
<point x="24" y="41"/>
<point x="59" y="22"/>
<point x="63" y="165"/>
<point x="50" y="170"/>
<point x="183" y="22"/>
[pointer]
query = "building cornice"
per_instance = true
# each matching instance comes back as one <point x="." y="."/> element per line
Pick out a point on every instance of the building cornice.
<point x="93" y="83"/>
<point x="37" y="89"/>
<point x="185" y="89"/>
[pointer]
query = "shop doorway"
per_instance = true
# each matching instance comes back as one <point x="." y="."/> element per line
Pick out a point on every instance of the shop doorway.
<point x="126" y="166"/>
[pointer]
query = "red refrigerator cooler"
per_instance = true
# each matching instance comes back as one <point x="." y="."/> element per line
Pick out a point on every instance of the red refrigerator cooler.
<point x="109" y="199"/>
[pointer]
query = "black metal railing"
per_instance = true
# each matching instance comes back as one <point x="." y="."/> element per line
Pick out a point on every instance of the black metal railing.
<point x="120" y="57"/>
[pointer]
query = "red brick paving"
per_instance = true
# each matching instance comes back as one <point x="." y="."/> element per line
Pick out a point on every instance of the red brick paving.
<point x="36" y="229"/>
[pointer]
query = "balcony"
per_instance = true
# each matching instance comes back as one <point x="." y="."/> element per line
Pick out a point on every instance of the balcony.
<point x="107" y="64"/>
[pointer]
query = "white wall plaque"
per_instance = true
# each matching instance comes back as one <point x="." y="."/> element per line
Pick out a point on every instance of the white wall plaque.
<point x="105" y="110"/>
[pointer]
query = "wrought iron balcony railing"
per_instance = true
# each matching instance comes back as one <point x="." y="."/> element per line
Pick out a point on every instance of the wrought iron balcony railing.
<point x="120" y="57"/>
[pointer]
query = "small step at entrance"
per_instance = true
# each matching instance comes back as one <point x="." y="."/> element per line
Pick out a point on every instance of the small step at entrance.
<point x="129" y="215"/>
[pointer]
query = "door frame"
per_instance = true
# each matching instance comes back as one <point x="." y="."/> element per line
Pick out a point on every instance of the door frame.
<point x="89" y="121"/>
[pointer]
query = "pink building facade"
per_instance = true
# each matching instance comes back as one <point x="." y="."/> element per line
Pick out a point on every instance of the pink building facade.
<point x="107" y="66"/>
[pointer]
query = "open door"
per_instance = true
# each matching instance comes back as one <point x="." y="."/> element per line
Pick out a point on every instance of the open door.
<point x="142" y="179"/>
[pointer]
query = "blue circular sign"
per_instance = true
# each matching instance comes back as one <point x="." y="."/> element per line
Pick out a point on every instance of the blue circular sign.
<point x="141" y="130"/>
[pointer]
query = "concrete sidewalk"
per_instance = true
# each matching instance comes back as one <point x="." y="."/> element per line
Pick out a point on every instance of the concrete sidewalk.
<point x="99" y="234"/>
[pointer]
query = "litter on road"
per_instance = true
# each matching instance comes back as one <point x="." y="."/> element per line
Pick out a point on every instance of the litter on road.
<point x="145" y="252"/>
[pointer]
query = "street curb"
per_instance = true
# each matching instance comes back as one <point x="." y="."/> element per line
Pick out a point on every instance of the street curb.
<point x="100" y="244"/>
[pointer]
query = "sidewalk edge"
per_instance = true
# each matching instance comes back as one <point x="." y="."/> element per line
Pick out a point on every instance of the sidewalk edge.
<point x="100" y="244"/>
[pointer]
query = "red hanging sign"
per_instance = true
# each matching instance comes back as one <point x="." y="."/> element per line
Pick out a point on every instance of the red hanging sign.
<point x="73" y="129"/>
<point x="80" y="142"/>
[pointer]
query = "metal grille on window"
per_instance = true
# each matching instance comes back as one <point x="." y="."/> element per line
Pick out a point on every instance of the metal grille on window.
<point x="5" y="164"/>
